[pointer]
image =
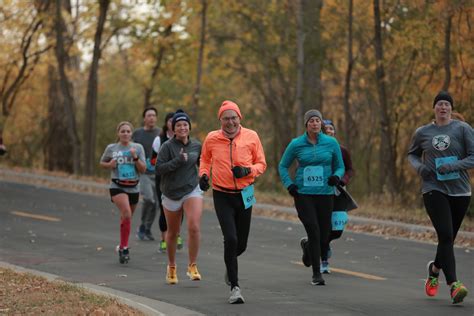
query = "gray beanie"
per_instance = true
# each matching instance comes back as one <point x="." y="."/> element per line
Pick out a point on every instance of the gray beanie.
<point x="311" y="113"/>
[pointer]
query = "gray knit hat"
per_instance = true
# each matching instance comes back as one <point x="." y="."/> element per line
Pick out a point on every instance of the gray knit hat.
<point x="311" y="113"/>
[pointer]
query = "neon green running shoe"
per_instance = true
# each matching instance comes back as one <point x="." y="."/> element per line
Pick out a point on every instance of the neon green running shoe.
<point x="179" y="243"/>
<point x="458" y="292"/>
<point x="162" y="247"/>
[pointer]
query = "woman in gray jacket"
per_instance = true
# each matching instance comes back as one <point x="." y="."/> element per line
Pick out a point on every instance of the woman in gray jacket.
<point x="177" y="164"/>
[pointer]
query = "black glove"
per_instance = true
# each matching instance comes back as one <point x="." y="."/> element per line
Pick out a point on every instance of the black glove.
<point x="240" y="172"/>
<point x="333" y="180"/>
<point x="204" y="182"/>
<point x="293" y="190"/>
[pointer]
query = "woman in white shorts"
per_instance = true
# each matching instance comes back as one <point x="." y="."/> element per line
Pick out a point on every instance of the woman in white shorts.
<point x="177" y="164"/>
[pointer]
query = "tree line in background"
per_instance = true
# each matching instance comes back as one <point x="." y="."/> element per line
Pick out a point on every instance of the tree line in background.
<point x="72" y="69"/>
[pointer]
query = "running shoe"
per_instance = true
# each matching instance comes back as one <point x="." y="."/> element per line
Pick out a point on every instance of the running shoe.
<point x="325" y="267"/>
<point x="179" y="243"/>
<point x="162" y="246"/>
<point x="431" y="283"/>
<point x="193" y="272"/>
<point x="306" y="258"/>
<point x="149" y="235"/>
<point x="458" y="292"/>
<point x="171" y="276"/>
<point x="124" y="255"/>
<point x="235" y="296"/>
<point x="141" y="232"/>
<point x="318" y="280"/>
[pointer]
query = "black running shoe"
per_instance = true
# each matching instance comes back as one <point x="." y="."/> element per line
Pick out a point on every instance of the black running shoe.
<point x="124" y="255"/>
<point x="306" y="258"/>
<point x="318" y="280"/>
<point x="149" y="235"/>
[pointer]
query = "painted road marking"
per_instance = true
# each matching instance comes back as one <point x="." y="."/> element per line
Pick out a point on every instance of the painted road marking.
<point x="36" y="216"/>
<point x="348" y="272"/>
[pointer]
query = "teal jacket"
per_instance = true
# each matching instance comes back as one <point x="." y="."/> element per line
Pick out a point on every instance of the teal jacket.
<point x="316" y="163"/>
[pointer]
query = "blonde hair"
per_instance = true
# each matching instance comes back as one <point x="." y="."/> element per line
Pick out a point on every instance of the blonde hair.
<point x="122" y="124"/>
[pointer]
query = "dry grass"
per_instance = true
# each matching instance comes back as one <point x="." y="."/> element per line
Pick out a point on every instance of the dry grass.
<point x="26" y="294"/>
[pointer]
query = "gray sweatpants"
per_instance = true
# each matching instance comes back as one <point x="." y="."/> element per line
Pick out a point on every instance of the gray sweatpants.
<point x="150" y="199"/>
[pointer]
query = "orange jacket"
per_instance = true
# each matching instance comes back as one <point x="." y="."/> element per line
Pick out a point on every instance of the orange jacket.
<point x="220" y="154"/>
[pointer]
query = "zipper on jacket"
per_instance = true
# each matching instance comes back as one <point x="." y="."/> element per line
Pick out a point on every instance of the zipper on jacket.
<point x="232" y="164"/>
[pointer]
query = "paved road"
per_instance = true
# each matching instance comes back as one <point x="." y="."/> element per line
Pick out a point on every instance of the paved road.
<point x="77" y="235"/>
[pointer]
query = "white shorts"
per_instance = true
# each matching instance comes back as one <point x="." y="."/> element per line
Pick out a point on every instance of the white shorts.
<point x="176" y="205"/>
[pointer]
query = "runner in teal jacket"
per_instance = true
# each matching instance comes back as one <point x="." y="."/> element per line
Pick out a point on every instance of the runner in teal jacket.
<point x="326" y="154"/>
<point x="320" y="168"/>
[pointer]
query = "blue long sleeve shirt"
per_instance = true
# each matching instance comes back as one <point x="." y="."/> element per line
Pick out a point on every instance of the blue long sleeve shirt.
<point x="316" y="163"/>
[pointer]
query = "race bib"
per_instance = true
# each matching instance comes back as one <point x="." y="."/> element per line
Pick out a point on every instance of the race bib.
<point x="339" y="220"/>
<point x="248" y="196"/>
<point x="447" y="176"/>
<point x="127" y="171"/>
<point x="313" y="176"/>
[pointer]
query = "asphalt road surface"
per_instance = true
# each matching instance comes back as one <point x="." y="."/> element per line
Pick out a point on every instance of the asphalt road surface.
<point x="74" y="236"/>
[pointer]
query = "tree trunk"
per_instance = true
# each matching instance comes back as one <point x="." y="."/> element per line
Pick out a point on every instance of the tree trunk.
<point x="90" y="117"/>
<point x="55" y="144"/>
<point x="300" y="67"/>
<point x="349" y="124"/>
<point x="200" y="61"/>
<point x="447" y="51"/>
<point x="387" y="172"/>
<point x="66" y="88"/>
<point x="154" y="72"/>
<point x="313" y="55"/>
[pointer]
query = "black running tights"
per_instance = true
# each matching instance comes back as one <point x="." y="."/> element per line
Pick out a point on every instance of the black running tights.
<point x="446" y="213"/>
<point x="234" y="220"/>
<point x="315" y="212"/>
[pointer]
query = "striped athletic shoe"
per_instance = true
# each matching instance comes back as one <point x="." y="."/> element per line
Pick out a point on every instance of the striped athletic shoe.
<point x="458" y="292"/>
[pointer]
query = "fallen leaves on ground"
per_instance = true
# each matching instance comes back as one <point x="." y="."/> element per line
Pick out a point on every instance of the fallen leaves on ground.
<point x="26" y="294"/>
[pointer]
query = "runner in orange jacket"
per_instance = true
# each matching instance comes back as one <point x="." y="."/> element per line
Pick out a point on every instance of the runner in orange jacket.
<point x="233" y="156"/>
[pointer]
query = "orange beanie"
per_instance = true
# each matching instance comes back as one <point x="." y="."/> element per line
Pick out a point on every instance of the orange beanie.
<point x="229" y="105"/>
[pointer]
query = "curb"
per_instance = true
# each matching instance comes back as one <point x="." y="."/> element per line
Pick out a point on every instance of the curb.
<point x="356" y="220"/>
<point x="145" y="305"/>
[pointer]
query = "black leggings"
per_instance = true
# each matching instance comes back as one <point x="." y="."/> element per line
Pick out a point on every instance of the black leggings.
<point x="446" y="213"/>
<point x="234" y="220"/>
<point x="314" y="211"/>
<point x="162" y="220"/>
<point x="339" y="205"/>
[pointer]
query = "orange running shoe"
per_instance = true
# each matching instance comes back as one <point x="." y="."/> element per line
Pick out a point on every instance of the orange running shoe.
<point x="171" y="277"/>
<point x="431" y="283"/>
<point x="193" y="272"/>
